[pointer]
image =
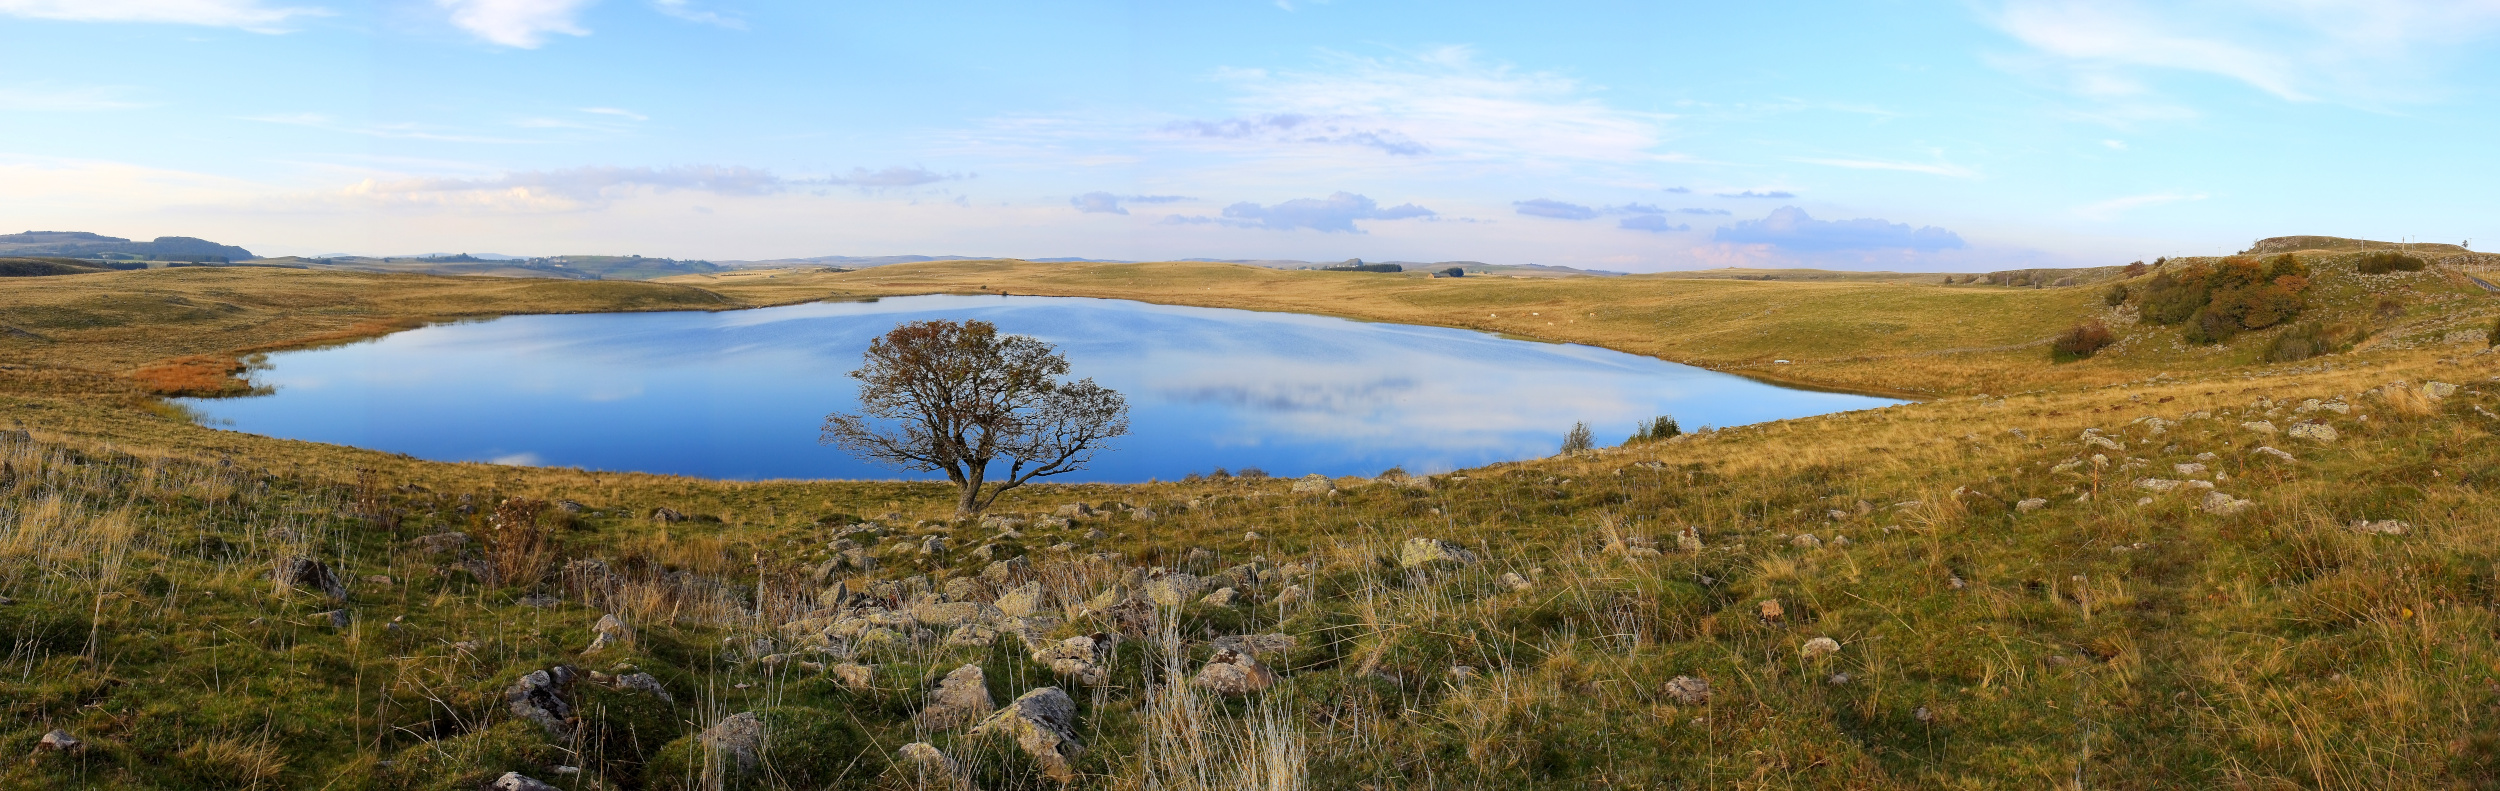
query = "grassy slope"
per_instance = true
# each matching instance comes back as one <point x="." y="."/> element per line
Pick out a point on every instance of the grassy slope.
<point x="2270" y="648"/>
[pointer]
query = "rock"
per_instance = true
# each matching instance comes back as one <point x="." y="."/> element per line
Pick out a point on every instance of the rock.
<point x="1142" y="514"/>
<point x="1021" y="600"/>
<point x="1291" y="595"/>
<point x="1460" y="674"/>
<point x="297" y="571"/>
<point x="1258" y="644"/>
<point x="1006" y="573"/>
<point x="933" y="769"/>
<point x="738" y="737"/>
<point x="1688" y="539"/>
<point x="2220" y="504"/>
<point x="1837" y="679"/>
<point x="609" y="632"/>
<point x="2030" y="504"/>
<point x="1173" y="589"/>
<point x="1074" y="511"/>
<point x="1512" y="580"/>
<point x="2189" y="468"/>
<point x="2156" y="484"/>
<point x="1043" y="724"/>
<point x="2259" y="426"/>
<point x="1080" y="657"/>
<point x="852" y="676"/>
<point x="1819" y="647"/>
<point x="442" y="543"/>
<point x="965" y="589"/>
<point x="972" y="635"/>
<point x="2384" y="527"/>
<point x="540" y="697"/>
<point x="1806" y="541"/>
<point x="1422" y="552"/>
<point x="936" y="613"/>
<point x="2098" y="441"/>
<point x="1771" y="610"/>
<point x="667" y="515"/>
<point x="1253" y="536"/>
<point x="515" y="781"/>
<point x="2438" y="390"/>
<point x="59" y="741"/>
<point x="338" y="618"/>
<point x="645" y="683"/>
<point x="933" y="545"/>
<point x="2275" y="454"/>
<point x="1687" y="690"/>
<point x="1222" y="597"/>
<point x="1232" y="674"/>
<point x="2315" y="432"/>
<point x="1313" y="483"/>
<point x="962" y="698"/>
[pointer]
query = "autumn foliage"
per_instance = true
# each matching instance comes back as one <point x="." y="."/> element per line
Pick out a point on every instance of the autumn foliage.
<point x="197" y="375"/>
<point x="2219" y="300"/>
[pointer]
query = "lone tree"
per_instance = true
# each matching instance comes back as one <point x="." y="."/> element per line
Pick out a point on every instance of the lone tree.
<point x="953" y="397"/>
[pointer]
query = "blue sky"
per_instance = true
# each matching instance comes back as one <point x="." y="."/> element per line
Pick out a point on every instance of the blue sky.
<point x="1903" y="135"/>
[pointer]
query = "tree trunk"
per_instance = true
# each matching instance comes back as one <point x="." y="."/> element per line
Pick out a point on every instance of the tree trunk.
<point x="968" y="498"/>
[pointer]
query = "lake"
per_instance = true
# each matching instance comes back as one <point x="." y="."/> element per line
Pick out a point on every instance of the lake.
<point x="741" y="394"/>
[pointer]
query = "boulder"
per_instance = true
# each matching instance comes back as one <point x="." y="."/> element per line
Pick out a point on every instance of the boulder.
<point x="647" y="684"/>
<point x="1512" y="580"/>
<point x="2259" y="426"/>
<point x="852" y="676"/>
<point x="932" y="769"/>
<point x="1313" y="483"/>
<point x="59" y="741"/>
<point x="2277" y="455"/>
<point x="739" y="738"/>
<point x="1021" y="600"/>
<point x="1042" y="723"/>
<point x="1258" y="644"/>
<point x="972" y="635"/>
<point x="1688" y="690"/>
<point x="962" y="698"/>
<point x="1074" y="511"/>
<point x="1232" y="674"/>
<point x="2315" y="432"/>
<point x="297" y="571"/>
<point x="1424" y="552"/>
<point x="2220" y="504"/>
<point x="2030" y="504"/>
<point x="1081" y="657"/>
<point x="1173" y="589"/>
<point x="540" y="698"/>
<point x="515" y="781"/>
<point x="1222" y="597"/>
<point x="609" y="632"/>
<point x="442" y="543"/>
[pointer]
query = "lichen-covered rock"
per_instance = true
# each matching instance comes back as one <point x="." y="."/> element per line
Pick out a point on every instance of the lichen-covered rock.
<point x="1042" y="723"/>
<point x="611" y="631"/>
<point x="1022" y="600"/>
<point x="933" y="769"/>
<point x="2259" y="426"/>
<point x="1512" y="580"/>
<point x="515" y="781"/>
<point x="1080" y="657"/>
<point x="1818" y="648"/>
<point x="739" y="738"/>
<point x="852" y="676"/>
<point x="1258" y="644"/>
<point x="1425" y="552"/>
<point x="972" y="635"/>
<point x="962" y="698"/>
<point x="297" y="571"/>
<point x="2030" y="504"/>
<point x="1173" y="589"/>
<point x="1688" y="690"/>
<point x="2273" y="453"/>
<point x="1233" y="673"/>
<point x="1222" y="597"/>
<point x="647" y="684"/>
<point x="2220" y="504"/>
<point x="1314" y="483"/>
<point x="1075" y="511"/>
<point x="2438" y="390"/>
<point x="935" y="613"/>
<point x="2315" y="432"/>
<point x="540" y="697"/>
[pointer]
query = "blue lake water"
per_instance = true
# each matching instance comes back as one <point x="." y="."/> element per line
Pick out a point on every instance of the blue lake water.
<point x="740" y="395"/>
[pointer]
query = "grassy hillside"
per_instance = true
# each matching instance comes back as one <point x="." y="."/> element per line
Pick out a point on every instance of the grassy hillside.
<point x="2108" y="578"/>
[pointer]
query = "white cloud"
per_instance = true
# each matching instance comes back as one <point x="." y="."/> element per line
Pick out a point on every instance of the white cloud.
<point x="682" y="9"/>
<point x="518" y="23"/>
<point x="1953" y="171"/>
<point x="252" y="15"/>
<point x="2357" y="51"/>
<point x="2110" y="209"/>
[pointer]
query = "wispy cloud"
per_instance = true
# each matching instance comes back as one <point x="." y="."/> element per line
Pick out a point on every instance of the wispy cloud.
<point x="525" y="24"/>
<point x="1791" y="229"/>
<point x="1107" y="203"/>
<point x="251" y="15"/>
<point x="2362" y="51"/>
<point x="1953" y="171"/>
<point x="590" y="187"/>
<point x="1333" y="214"/>
<point x="1653" y="223"/>
<point x="684" y="9"/>
<point x="2110" y="209"/>
<point x="1777" y="194"/>
<point x="403" y="131"/>
<point x="1299" y="128"/>
<point x="1705" y="212"/>
<point x="45" y="99"/>
<point x="625" y="114"/>
<point x="1554" y="209"/>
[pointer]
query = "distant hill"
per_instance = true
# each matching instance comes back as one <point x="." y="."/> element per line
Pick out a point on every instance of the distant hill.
<point x="561" y="267"/>
<point x="81" y="244"/>
<point x="2286" y="244"/>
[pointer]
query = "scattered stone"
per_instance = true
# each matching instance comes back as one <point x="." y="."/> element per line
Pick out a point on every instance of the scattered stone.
<point x="2384" y="527"/>
<point x="1253" y="536"/>
<point x="1142" y="514"/>
<point x="2276" y="454"/>
<point x="2098" y="441"/>
<point x="59" y="741"/>
<point x="1689" y="691"/>
<point x="738" y="737"/>
<point x="1688" y="539"/>
<point x="2220" y="504"/>
<point x="2259" y="426"/>
<point x="934" y="768"/>
<point x="297" y="571"/>
<point x="1222" y="597"/>
<point x="645" y="682"/>
<point x="2030" y="504"/>
<point x="852" y="676"/>
<point x="2438" y="390"/>
<point x="2315" y="432"/>
<point x="1771" y="610"/>
<point x="2156" y="484"/>
<point x="1837" y="679"/>
<point x="1806" y="541"/>
<point x="962" y="698"/>
<point x="1173" y="589"/>
<point x="541" y="697"/>
<point x="1233" y="673"/>
<point x="1021" y="600"/>
<point x="972" y="635"/>
<point x="1512" y="580"/>
<point x="515" y="781"/>
<point x="933" y="545"/>
<point x="1292" y="595"/>
<point x="1081" y="657"/>
<point x="2189" y="468"/>
<point x="1258" y="644"/>
<point x="1923" y="715"/>
<point x="1074" y="511"/>
<point x="442" y="543"/>
<point x="1422" y="552"/>
<point x="338" y="618"/>
<point x="1043" y="724"/>
<point x="1819" y="647"/>
<point x="667" y="515"/>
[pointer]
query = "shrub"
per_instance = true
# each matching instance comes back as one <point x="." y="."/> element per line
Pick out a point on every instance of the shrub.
<point x="1579" y="439"/>
<point x="2381" y="262"/>
<point x="1661" y="427"/>
<point x="2084" y="340"/>
<point x="2494" y="336"/>
<point x="1252" y="473"/>
<point x="2136" y="268"/>
<point x="2115" y="296"/>
<point x="2308" y="340"/>
<point x="2390" y="308"/>
<point x="2171" y="300"/>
